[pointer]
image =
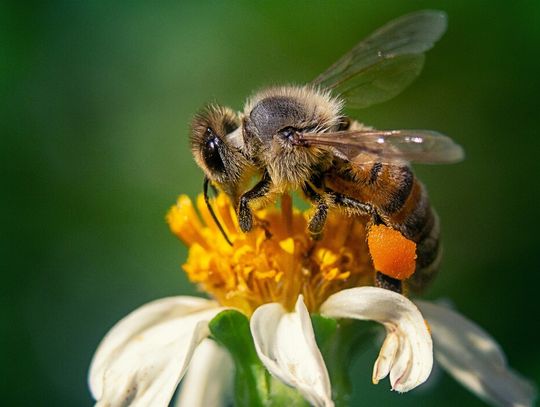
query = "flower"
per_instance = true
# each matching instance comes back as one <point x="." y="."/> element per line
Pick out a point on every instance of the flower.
<point x="277" y="276"/>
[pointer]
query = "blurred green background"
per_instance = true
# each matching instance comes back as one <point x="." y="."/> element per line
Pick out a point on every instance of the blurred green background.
<point x="95" y="110"/>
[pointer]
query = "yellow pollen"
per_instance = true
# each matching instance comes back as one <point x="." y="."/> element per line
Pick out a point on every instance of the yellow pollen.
<point x="276" y="261"/>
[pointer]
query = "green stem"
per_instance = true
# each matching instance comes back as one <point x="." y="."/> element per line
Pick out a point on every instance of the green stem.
<point x="253" y="385"/>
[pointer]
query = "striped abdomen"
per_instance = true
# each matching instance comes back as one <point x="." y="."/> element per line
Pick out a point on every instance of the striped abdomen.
<point x="401" y="202"/>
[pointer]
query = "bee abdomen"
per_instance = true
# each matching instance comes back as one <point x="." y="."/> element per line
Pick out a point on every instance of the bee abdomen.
<point x="402" y="203"/>
<point x="429" y="254"/>
<point x="401" y="178"/>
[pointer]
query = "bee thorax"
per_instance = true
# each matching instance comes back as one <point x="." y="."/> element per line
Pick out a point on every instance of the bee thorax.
<point x="291" y="167"/>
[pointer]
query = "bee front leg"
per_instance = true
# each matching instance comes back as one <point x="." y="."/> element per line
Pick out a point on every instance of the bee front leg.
<point x="245" y="216"/>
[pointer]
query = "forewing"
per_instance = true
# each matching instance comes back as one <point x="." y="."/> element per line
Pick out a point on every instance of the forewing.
<point x="388" y="146"/>
<point x="386" y="62"/>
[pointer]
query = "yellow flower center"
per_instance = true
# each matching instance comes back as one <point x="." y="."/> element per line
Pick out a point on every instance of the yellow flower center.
<point x="276" y="261"/>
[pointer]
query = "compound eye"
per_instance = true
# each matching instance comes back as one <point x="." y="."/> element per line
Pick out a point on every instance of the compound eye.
<point x="210" y="152"/>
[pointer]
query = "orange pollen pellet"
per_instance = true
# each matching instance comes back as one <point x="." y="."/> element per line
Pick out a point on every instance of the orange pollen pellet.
<point x="392" y="253"/>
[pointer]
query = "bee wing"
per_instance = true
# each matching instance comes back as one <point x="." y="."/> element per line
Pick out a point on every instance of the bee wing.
<point x="386" y="62"/>
<point x="388" y="146"/>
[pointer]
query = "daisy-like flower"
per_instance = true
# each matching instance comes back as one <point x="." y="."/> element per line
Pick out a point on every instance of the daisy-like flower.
<point x="278" y="277"/>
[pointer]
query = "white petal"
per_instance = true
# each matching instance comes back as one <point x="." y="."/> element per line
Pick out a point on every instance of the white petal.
<point x="286" y="345"/>
<point x="209" y="379"/>
<point x="144" y="356"/>
<point x="386" y="357"/>
<point x="407" y="352"/>
<point x="473" y="357"/>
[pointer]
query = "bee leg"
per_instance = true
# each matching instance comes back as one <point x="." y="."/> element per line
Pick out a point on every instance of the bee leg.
<point x="343" y="201"/>
<point x="388" y="283"/>
<point x="381" y="280"/>
<point x="317" y="221"/>
<point x="328" y="199"/>
<point x="245" y="216"/>
<point x="358" y="207"/>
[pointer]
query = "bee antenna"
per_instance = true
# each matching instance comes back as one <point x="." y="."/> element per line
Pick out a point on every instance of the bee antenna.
<point x="211" y="210"/>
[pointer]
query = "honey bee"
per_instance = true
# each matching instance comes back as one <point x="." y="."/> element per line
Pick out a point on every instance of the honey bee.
<point x="297" y="138"/>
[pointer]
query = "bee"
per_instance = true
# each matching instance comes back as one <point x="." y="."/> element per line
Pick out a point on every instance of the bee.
<point x="297" y="138"/>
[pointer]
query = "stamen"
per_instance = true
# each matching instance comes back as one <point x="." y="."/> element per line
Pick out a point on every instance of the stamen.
<point x="276" y="261"/>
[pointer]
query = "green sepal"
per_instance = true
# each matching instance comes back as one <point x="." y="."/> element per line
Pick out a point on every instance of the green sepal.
<point x="253" y="385"/>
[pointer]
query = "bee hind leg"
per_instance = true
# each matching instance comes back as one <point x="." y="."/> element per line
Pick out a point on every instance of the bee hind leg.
<point x="345" y="202"/>
<point x="388" y="283"/>
<point x="362" y="208"/>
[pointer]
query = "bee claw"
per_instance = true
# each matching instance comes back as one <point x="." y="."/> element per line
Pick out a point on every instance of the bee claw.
<point x="315" y="236"/>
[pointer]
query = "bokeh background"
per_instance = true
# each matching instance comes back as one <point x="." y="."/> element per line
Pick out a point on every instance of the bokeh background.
<point x="96" y="101"/>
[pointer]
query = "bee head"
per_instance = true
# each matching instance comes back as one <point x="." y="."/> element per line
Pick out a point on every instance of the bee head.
<point x="216" y="146"/>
